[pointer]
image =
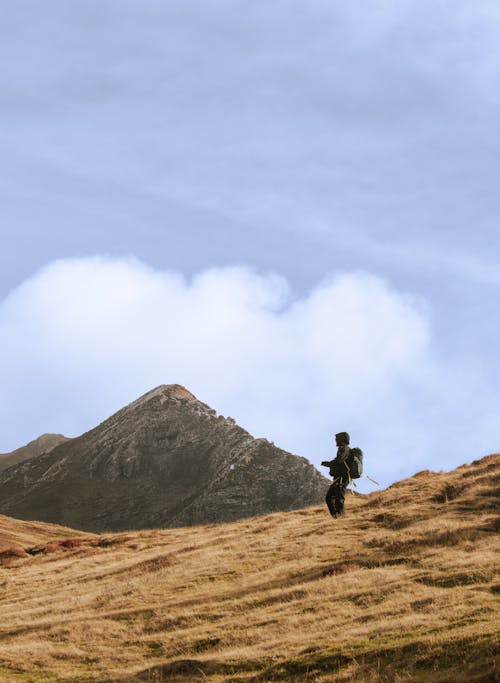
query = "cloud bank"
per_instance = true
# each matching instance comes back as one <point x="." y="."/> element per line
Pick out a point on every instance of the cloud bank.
<point x="82" y="337"/>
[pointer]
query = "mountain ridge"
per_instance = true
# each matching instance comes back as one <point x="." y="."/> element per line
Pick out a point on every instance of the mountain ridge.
<point x="42" y="444"/>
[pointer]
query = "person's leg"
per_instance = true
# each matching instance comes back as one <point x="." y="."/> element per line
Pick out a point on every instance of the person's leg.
<point x="330" y="500"/>
<point x="339" y="496"/>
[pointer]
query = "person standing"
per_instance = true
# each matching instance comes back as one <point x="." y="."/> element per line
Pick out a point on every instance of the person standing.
<point x="339" y="470"/>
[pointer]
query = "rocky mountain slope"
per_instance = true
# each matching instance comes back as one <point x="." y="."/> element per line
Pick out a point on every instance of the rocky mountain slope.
<point x="165" y="460"/>
<point x="403" y="588"/>
<point x="44" y="444"/>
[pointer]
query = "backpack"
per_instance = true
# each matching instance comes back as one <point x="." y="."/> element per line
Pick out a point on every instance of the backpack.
<point x="355" y="463"/>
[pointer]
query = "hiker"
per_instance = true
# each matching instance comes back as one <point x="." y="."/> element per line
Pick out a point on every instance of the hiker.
<point x="340" y="471"/>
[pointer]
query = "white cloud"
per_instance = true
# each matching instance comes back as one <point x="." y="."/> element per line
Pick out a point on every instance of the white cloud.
<point x="82" y="337"/>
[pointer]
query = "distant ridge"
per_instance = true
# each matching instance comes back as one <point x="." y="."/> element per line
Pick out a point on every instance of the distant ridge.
<point x="164" y="460"/>
<point x="43" y="444"/>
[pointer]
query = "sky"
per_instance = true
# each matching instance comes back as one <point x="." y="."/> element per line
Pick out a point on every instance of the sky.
<point x="290" y="208"/>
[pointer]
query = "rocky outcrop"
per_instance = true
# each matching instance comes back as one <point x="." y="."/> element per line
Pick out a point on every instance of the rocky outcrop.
<point x="44" y="444"/>
<point x="165" y="460"/>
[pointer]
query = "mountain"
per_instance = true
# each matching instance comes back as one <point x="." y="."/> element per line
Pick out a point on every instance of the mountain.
<point x="44" y="444"/>
<point x="165" y="460"/>
<point x="404" y="587"/>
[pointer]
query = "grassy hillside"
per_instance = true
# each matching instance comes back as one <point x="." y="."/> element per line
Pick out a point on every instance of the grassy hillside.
<point x="402" y="588"/>
<point x="17" y="535"/>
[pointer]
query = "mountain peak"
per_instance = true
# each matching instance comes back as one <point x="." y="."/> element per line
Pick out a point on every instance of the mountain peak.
<point x="164" y="392"/>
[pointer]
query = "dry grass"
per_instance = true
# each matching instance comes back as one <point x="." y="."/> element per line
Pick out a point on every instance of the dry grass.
<point x="403" y="588"/>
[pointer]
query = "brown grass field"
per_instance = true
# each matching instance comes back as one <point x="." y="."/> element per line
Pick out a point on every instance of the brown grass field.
<point x="402" y="588"/>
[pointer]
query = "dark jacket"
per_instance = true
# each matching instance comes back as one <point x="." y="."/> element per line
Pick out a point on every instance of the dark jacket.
<point x="337" y="465"/>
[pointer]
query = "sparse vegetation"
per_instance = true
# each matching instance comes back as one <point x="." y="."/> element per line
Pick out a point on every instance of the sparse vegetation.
<point x="403" y="588"/>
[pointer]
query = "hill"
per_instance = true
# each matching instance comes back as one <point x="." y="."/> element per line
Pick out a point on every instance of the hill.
<point x="43" y="444"/>
<point x="403" y="588"/>
<point x="165" y="460"/>
<point x="17" y="535"/>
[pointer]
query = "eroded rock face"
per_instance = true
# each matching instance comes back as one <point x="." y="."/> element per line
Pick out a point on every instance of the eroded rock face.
<point x="165" y="460"/>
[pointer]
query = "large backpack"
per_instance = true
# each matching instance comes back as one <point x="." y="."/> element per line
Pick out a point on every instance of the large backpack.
<point x="355" y="463"/>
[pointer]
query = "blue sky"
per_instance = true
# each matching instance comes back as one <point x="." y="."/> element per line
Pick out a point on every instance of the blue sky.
<point x="316" y="182"/>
